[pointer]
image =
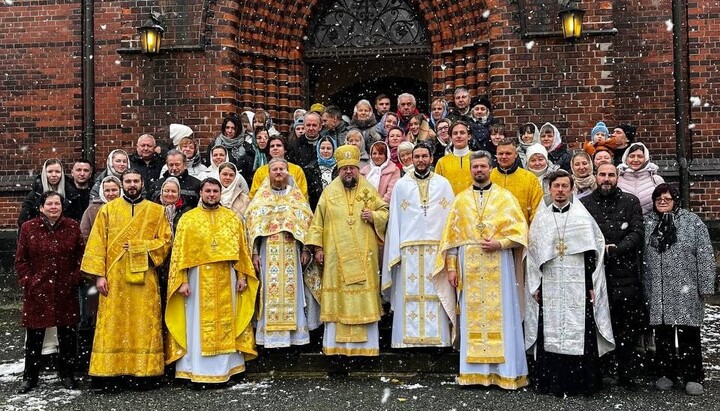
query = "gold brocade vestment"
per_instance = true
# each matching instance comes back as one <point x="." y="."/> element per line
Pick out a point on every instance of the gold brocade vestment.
<point x="282" y="220"/>
<point x="128" y="334"/>
<point x="210" y="240"/>
<point x="496" y="215"/>
<point x="350" y="293"/>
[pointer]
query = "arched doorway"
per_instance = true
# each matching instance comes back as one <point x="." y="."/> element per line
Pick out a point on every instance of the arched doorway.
<point x="361" y="48"/>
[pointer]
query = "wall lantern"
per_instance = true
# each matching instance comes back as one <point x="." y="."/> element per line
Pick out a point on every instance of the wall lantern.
<point x="572" y="19"/>
<point x="151" y="33"/>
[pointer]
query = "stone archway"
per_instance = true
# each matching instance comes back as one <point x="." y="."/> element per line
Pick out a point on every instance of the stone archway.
<point x="360" y="48"/>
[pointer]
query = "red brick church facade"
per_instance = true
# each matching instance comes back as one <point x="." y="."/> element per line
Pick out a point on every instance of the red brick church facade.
<point x="226" y="56"/>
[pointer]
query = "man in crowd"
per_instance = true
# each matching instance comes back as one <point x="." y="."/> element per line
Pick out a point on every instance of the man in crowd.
<point x="485" y="235"/>
<point x="278" y="219"/>
<point x="406" y="108"/>
<point x="455" y="166"/>
<point x="211" y="293"/>
<point x="346" y="233"/>
<point x="303" y="151"/>
<point x="333" y="125"/>
<point x="146" y="160"/>
<point x="461" y="111"/>
<point x="177" y="167"/>
<point x="81" y="174"/>
<point x="620" y="218"/>
<point x="130" y="237"/>
<point x="567" y="321"/>
<point x="382" y="106"/>
<point x="420" y="199"/>
<point x="624" y="135"/>
<point x="522" y="183"/>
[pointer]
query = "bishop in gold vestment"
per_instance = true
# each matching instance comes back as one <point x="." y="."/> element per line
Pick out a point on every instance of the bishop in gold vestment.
<point x="347" y="231"/>
<point x="484" y="234"/>
<point x="211" y="293"/>
<point x="129" y="239"/>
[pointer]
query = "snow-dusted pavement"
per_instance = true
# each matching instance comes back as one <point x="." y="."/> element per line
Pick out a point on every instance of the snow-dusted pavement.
<point x="374" y="392"/>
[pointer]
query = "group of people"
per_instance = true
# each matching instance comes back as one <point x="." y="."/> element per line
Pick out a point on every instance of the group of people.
<point x="508" y="249"/>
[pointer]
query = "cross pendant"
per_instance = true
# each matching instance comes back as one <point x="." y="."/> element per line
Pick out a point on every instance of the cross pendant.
<point x="480" y="226"/>
<point x="561" y="247"/>
<point x="214" y="245"/>
<point x="424" y="207"/>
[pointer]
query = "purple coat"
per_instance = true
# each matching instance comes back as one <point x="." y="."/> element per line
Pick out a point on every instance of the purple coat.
<point x="47" y="263"/>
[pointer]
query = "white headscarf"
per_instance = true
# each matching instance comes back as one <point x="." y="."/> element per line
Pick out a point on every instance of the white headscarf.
<point x="373" y="176"/>
<point x="230" y="192"/>
<point x="101" y="192"/>
<point x="110" y="170"/>
<point x="178" y="132"/>
<point x="44" y="180"/>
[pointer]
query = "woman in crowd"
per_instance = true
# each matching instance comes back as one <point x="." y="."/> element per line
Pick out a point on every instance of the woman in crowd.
<point x="240" y="152"/>
<point x="245" y="129"/>
<point x="51" y="178"/>
<point x="321" y="171"/>
<point x="217" y="155"/>
<point x="262" y="119"/>
<point x="438" y="111"/>
<point x="111" y="189"/>
<point x="259" y="144"/>
<point x="232" y="195"/>
<point x="557" y="150"/>
<point x="47" y="263"/>
<point x="638" y="176"/>
<point x="419" y="130"/>
<point x="539" y="165"/>
<point x="405" y="155"/>
<point x="387" y="121"/>
<point x="355" y="137"/>
<point x="394" y="138"/>
<point x="602" y="155"/>
<point x="364" y="120"/>
<point x="679" y="271"/>
<point x="582" y="174"/>
<point x="528" y="134"/>
<point x="171" y="199"/>
<point x="191" y="149"/>
<point x="443" y="145"/>
<point x="116" y="164"/>
<point x="382" y="173"/>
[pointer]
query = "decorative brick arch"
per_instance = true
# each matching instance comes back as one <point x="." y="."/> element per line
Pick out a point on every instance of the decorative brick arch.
<point x="270" y="48"/>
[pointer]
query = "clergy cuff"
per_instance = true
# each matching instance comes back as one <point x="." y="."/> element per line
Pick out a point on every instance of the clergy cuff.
<point x="451" y="262"/>
<point x="507" y="243"/>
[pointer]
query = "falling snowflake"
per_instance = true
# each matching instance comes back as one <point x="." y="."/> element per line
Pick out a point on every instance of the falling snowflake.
<point x="696" y="101"/>
<point x="529" y="45"/>
<point x="385" y="396"/>
<point x="117" y="62"/>
<point x="9" y="2"/>
<point x="486" y="14"/>
<point x="668" y="25"/>
<point x="691" y="126"/>
<point x="103" y="26"/>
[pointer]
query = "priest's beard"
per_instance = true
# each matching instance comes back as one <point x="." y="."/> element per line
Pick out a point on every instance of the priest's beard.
<point x="210" y="205"/>
<point x="350" y="183"/>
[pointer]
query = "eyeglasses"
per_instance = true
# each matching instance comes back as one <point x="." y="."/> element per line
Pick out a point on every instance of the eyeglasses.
<point x="663" y="200"/>
<point x="443" y="128"/>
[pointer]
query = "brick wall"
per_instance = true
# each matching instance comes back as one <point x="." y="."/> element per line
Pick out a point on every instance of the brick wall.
<point x="249" y="56"/>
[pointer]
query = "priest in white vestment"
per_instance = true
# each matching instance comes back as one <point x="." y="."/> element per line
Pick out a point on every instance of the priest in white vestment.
<point x="567" y="318"/>
<point x="419" y="207"/>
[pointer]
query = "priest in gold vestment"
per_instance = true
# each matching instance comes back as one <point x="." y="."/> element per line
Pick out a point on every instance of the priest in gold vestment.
<point x="211" y="293"/>
<point x="278" y="219"/>
<point x="346" y="233"/>
<point x="130" y="237"/>
<point x="480" y="254"/>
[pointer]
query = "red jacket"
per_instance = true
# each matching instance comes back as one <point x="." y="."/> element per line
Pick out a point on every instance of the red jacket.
<point x="47" y="263"/>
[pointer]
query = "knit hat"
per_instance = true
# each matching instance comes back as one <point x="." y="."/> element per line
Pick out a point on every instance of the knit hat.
<point x="178" y="132"/>
<point x="483" y="100"/>
<point x="318" y="108"/>
<point x="629" y="130"/>
<point x="299" y="122"/>
<point x="347" y="155"/>
<point x="599" y="127"/>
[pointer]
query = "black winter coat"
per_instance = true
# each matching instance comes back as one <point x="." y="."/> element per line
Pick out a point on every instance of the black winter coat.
<point x="620" y="219"/>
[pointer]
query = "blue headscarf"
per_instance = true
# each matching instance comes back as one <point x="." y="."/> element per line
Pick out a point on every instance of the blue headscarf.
<point x="329" y="162"/>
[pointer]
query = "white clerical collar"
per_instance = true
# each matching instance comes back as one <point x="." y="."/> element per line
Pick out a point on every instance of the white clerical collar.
<point x="461" y="152"/>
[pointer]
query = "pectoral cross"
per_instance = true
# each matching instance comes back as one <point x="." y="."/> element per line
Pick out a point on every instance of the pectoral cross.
<point x="561" y="247"/>
<point x="366" y="198"/>
<point x="425" y="207"/>
<point x="480" y="226"/>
